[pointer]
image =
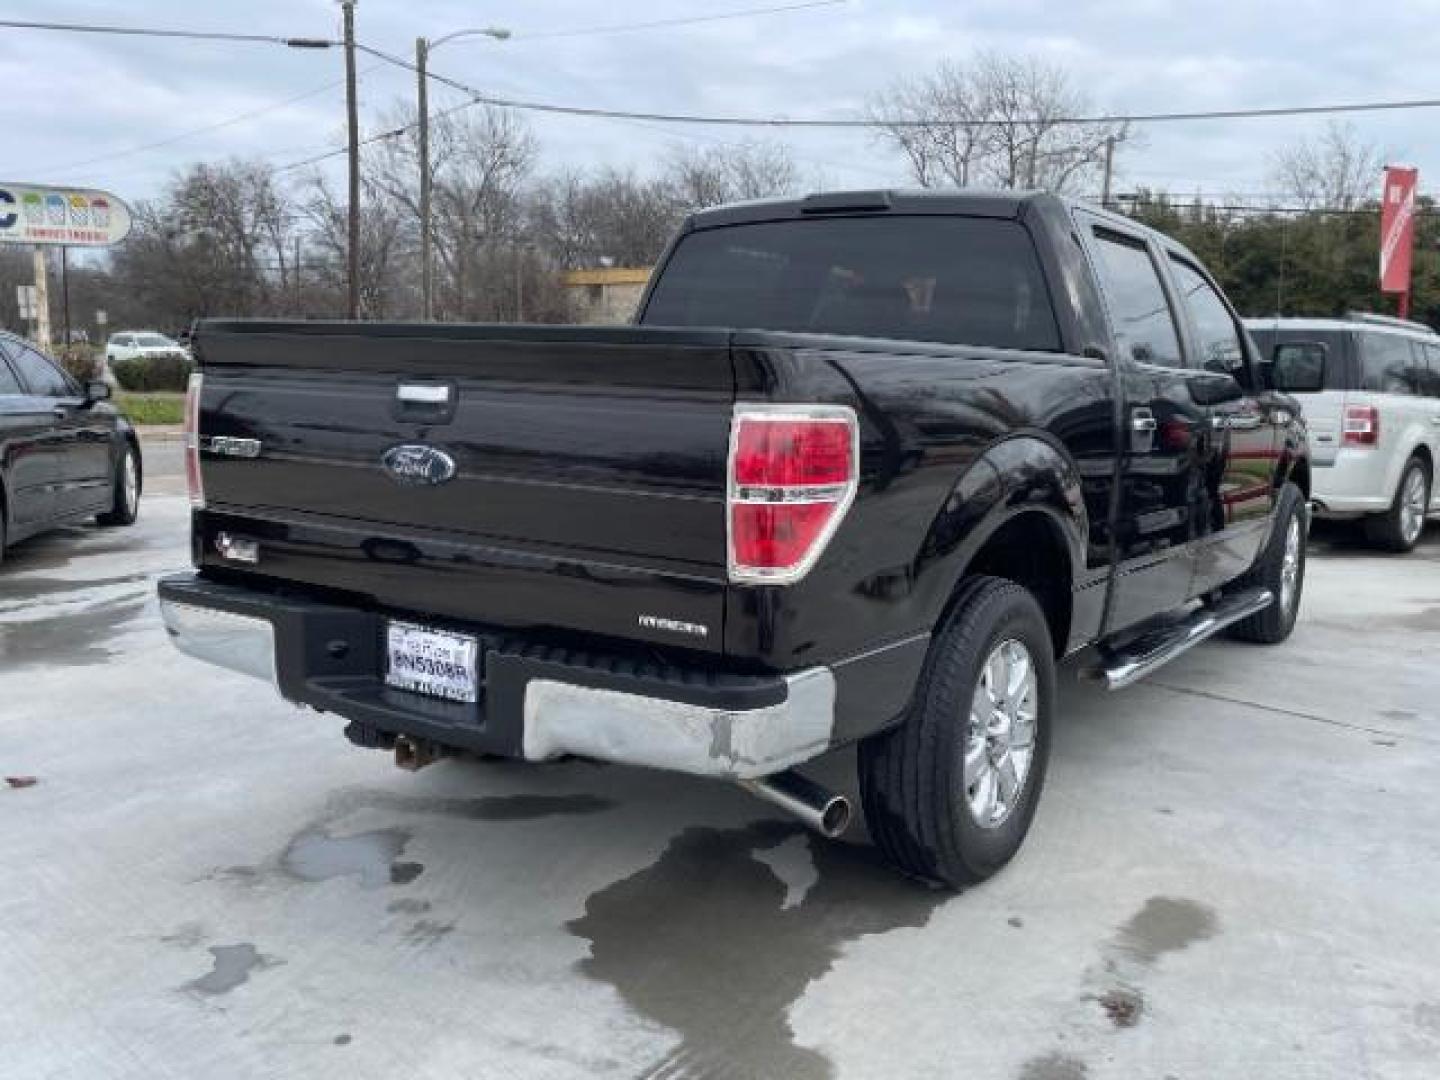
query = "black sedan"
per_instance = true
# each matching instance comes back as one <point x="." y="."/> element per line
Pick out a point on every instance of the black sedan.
<point x="66" y="454"/>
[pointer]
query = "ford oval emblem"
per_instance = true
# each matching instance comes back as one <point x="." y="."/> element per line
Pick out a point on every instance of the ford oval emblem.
<point x="413" y="463"/>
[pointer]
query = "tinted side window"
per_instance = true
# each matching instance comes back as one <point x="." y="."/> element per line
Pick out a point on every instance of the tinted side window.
<point x="1386" y="364"/>
<point x="958" y="280"/>
<point x="1430" y="372"/>
<point x="41" y="376"/>
<point x="1215" y="331"/>
<point x="1144" y="325"/>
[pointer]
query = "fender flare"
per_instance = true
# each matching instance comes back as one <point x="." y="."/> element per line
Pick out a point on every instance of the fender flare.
<point x="1024" y="473"/>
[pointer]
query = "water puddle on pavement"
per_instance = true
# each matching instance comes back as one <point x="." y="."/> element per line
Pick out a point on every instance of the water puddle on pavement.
<point x="232" y="967"/>
<point x="704" y="943"/>
<point x="370" y="857"/>
<point x="72" y="639"/>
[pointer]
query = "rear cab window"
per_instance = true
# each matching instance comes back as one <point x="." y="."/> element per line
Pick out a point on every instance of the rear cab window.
<point x="950" y="279"/>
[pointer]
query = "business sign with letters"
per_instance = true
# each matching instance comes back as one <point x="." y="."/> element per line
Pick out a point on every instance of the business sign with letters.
<point x="61" y="216"/>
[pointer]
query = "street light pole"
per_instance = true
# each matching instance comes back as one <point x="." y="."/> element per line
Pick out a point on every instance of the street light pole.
<point x="423" y="49"/>
<point x="427" y="271"/>
<point x="352" y="116"/>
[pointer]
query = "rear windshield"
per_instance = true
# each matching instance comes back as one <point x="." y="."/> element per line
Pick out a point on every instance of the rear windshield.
<point x="964" y="281"/>
<point x="1336" y="342"/>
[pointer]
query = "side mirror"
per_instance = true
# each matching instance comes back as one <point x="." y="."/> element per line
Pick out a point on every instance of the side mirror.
<point x="96" y="390"/>
<point x="1299" y="367"/>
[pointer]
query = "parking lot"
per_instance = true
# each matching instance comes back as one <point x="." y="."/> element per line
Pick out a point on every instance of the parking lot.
<point x="1233" y="873"/>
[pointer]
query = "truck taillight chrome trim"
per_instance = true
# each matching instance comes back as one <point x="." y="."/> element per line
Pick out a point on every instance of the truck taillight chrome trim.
<point x="792" y="474"/>
<point x="194" y="480"/>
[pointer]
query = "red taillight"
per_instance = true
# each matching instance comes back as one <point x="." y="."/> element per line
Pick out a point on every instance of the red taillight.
<point x="793" y="473"/>
<point x="194" y="481"/>
<point x="1361" y="426"/>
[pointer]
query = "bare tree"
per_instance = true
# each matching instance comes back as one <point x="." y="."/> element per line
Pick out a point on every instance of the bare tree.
<point x="1002" y="120"/>
<point x="218" y="241"/>
<point x="611" y="218"/>
<point x="946" y="152"/>
<point x="387" y="283"/>
<point x="1336" y="170"/>
<point x="753" y="169"/>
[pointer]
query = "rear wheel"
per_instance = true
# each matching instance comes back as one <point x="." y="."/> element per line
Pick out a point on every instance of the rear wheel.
<point x="949" y="794"/>
<point x="125" y="507"/>
<point x="1399" y="528"/>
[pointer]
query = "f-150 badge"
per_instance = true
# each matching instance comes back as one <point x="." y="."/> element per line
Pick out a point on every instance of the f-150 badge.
<point x="412" y="463"/>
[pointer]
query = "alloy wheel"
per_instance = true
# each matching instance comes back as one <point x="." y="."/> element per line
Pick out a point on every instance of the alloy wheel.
<point x="1000" y="745"/>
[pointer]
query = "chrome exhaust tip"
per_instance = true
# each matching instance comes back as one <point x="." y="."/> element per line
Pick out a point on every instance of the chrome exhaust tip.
<point x="827" y="812"/>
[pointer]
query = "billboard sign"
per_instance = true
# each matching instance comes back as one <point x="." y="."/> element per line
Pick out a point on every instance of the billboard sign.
<point x="1397" y="229"/>
<point x="61" y="216"/>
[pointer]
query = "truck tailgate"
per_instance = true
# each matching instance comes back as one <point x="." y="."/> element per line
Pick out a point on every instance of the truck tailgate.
<point x="588" y="469"/>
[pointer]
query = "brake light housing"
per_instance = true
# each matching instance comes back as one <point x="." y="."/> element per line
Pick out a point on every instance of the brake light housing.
<point x="1361" y="426"/>
<point x="793" y="472"/>
<point x="194" y="479"/>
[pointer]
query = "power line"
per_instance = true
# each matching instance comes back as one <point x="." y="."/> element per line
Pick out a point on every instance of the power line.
<point x="624" y="28"/>
<point x="479" y="97"/>
<point x="189" y="35"/>
<point x="219" y="125"/>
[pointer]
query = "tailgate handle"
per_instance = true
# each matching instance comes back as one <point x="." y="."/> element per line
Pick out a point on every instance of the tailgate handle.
<point x="425" y="402"/>
<point x="423" y="393"/>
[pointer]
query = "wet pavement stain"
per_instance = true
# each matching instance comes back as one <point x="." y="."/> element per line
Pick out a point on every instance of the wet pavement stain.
<point x="702" y="943"/>
<point x="499" y="808"/>
<point x="232" y="967"/>
<point x="1165" y="924"/>
<point x="29" y="589"/>
<point x="72" y="639"/>
<point x="315" y="855"/>
<point x="1055" y="1066"/>
<point x="186" y="935"/>
<point x="424" y="933"/>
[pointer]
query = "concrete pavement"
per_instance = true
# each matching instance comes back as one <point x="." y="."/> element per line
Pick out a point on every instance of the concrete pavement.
<point x="1233" y="873"/>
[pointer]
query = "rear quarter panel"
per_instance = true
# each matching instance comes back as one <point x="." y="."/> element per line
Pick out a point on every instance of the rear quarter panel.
<point x="953" y="442"/>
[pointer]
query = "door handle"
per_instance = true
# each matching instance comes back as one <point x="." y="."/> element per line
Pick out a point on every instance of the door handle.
<point x="1143" y="422"/>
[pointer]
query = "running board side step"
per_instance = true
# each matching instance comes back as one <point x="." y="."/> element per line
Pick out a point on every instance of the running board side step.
<point x="1154" y="649"/>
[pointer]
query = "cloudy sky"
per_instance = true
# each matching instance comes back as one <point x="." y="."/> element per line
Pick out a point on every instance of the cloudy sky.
<point x="81" y="105"/>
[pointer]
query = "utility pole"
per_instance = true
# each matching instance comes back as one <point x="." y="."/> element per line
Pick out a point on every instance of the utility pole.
<point x="65" y="291"/>
<point x="42" y="299"/>
<point x="423" y="48"/>
<point x="427" y="273"/>
<point x="1109" y="170"/>
<point x="352" y="116"/>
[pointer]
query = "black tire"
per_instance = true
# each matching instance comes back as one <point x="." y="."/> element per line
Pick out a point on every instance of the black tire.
<point x="1391" y="530"/>
<point x="912" y="778"/>
<point x="1274" y="624"/>
<point x="124" y="506"/>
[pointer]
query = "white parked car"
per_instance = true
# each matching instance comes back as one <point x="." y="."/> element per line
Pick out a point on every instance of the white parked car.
<point x="1369" y="386"/>
<point x="129" y="344"/>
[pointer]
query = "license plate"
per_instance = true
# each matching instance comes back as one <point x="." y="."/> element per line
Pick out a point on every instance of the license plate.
<point x="433" y="662"/>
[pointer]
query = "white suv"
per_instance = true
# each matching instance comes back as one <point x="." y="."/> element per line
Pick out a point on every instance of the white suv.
<point x="1370" y="389"/>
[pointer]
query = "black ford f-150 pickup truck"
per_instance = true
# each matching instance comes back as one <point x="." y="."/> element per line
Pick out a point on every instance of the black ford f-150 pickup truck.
<point x="867" y="466"/>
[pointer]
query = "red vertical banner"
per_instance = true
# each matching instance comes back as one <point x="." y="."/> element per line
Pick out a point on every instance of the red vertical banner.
<point x="1397" y="232"/>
